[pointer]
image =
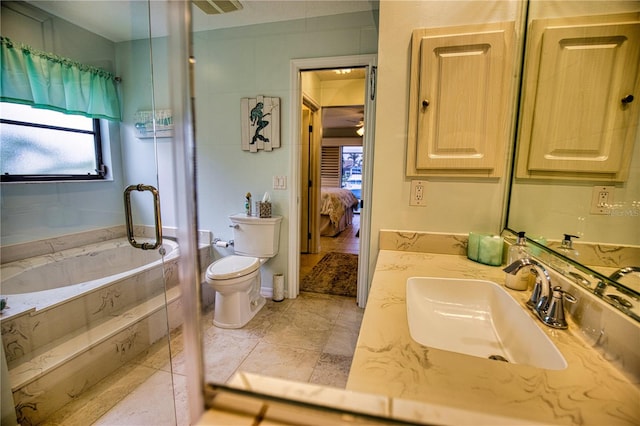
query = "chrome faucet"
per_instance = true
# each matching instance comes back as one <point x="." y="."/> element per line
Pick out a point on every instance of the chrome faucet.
<point x="624" y="271"/>
<point x="541" y="293"/>
<point x="545" y="300"/>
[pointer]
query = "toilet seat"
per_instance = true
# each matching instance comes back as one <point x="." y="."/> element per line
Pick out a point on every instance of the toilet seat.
<point x="232" y="266"/>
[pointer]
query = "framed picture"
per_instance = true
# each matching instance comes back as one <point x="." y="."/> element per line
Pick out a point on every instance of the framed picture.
<point x="260" y="120"/>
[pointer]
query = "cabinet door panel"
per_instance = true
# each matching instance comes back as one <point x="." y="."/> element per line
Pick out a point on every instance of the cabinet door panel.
<point x="574" y="124"/>
<point x="458" y="103"/>
<point x="577" y="119"/>
<point x="454" y="125"/>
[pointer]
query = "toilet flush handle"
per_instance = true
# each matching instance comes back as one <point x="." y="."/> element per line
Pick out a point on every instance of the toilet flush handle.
<point x="235" y="226"/>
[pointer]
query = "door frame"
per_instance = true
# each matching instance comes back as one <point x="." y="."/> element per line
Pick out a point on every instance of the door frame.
<point x="295" y="102"/>
<point x="313" y="145"/>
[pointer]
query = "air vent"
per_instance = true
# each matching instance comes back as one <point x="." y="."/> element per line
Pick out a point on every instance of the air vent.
<point x="216" y="7"/>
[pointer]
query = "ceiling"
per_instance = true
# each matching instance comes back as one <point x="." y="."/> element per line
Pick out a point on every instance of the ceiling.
<point x="105" y="17"/>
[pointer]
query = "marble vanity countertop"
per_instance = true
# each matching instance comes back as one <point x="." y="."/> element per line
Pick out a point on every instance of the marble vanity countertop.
<point x="388" y="362"/>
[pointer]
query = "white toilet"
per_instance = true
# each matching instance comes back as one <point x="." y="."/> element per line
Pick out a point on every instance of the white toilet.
<point x="236" y="278"/>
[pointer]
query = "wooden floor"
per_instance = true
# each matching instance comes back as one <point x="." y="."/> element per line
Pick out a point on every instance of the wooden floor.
<point x="344" y="242"/>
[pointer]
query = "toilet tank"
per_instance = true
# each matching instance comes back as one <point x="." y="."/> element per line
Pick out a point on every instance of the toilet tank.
<point x="256" y="236"/>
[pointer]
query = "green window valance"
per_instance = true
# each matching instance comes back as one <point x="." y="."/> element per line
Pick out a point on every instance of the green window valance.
<point x="48" y="81"/>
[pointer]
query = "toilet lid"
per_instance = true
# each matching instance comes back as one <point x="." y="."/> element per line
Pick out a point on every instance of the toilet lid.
<point x="232" y="267"/>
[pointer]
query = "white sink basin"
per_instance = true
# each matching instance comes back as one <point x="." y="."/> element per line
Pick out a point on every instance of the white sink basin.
<point x="477" y="318"/>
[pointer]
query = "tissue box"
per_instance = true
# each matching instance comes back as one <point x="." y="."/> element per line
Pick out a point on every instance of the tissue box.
<point x="485" y="248"/>
<point x="263" y="209"/>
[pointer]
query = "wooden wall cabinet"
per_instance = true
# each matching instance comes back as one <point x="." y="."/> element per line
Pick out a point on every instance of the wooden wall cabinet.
<point x="579" y="114"/>
<point x="460" y="100"/>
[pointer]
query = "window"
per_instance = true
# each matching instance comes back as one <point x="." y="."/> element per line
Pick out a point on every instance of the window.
<point x="43" y="145"/>
<point x="352" y="169"/>
<point x="330" y="166"/>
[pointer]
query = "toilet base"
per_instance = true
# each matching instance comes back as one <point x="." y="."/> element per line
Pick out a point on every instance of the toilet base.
<point x="234" y="309"/>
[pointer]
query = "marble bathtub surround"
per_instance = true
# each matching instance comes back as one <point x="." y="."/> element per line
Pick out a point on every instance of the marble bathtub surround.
<point x="13" y="252"/>
<point x="600" y="346"/>
<point x="62" y="341"/>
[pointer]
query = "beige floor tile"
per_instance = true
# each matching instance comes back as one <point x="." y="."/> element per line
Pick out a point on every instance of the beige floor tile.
<point x="152" y="403"/>
<point x="223" y="354"/>
<point x="324" y="305"/>
<point x="309" y="331"/>
<point x="281" y="361"/>
<point x="351" y="315"/>
<point x="342" y="341"/>
<point x="331" y="370"/>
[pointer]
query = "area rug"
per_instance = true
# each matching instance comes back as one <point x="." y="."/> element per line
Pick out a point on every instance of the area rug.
<point x="336" y="273"/>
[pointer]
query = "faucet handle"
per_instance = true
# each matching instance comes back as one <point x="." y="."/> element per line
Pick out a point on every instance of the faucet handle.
<point x="554" y="316"/>
<point x="540" y="295"/>
<point x="532" y="303"/>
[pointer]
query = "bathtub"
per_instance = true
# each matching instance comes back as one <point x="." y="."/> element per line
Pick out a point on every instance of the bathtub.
<point x="76" y="315"/>
<point x="44" y="281"/>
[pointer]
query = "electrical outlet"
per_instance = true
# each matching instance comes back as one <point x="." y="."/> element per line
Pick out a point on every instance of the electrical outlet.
<point x="418" y="193"/>
<point x="602" y="199"/>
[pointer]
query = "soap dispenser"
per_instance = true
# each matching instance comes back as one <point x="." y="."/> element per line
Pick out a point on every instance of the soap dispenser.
<point x="566" y="247"/>
<point x="519" y="281"/>
<point x="567" y="250"/>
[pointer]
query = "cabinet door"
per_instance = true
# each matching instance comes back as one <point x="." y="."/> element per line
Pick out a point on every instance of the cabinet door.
<point x="459" y="101"/>
<point x="578" y="121"/>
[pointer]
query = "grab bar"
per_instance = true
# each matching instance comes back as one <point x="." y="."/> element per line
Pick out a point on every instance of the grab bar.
<point x="156" y="210"/>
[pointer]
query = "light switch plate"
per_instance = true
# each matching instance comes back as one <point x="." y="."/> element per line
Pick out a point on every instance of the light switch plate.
<point x="279" y="182"/>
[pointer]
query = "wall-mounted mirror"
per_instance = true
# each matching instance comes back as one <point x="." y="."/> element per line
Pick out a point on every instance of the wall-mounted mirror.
<point x="560" y="120"/>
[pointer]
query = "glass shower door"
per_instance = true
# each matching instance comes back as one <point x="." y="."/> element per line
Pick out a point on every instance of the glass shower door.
<point x="95" y="345"/>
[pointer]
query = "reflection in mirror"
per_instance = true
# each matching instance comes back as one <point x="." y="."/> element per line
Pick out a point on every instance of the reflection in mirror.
<point x="568" y="131"/>
<point x="623" y="293"/>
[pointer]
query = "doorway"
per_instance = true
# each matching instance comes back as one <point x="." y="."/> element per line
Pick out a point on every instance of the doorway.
<point x="365" y="64"/>
<point x="332" y="119"/>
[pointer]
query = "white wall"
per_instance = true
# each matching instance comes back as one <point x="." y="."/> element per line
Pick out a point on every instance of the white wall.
<point x="246" y="62"/>
<point x="139" y="154"/>
<point x="457" y="206"/>
<point x="343" y="92"/>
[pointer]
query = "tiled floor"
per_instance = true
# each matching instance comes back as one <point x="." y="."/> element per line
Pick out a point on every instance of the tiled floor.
<point x="309" y="339"/>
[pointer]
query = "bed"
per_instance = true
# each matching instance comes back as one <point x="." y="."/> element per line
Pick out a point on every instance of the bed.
<point x="336" y="210"/>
